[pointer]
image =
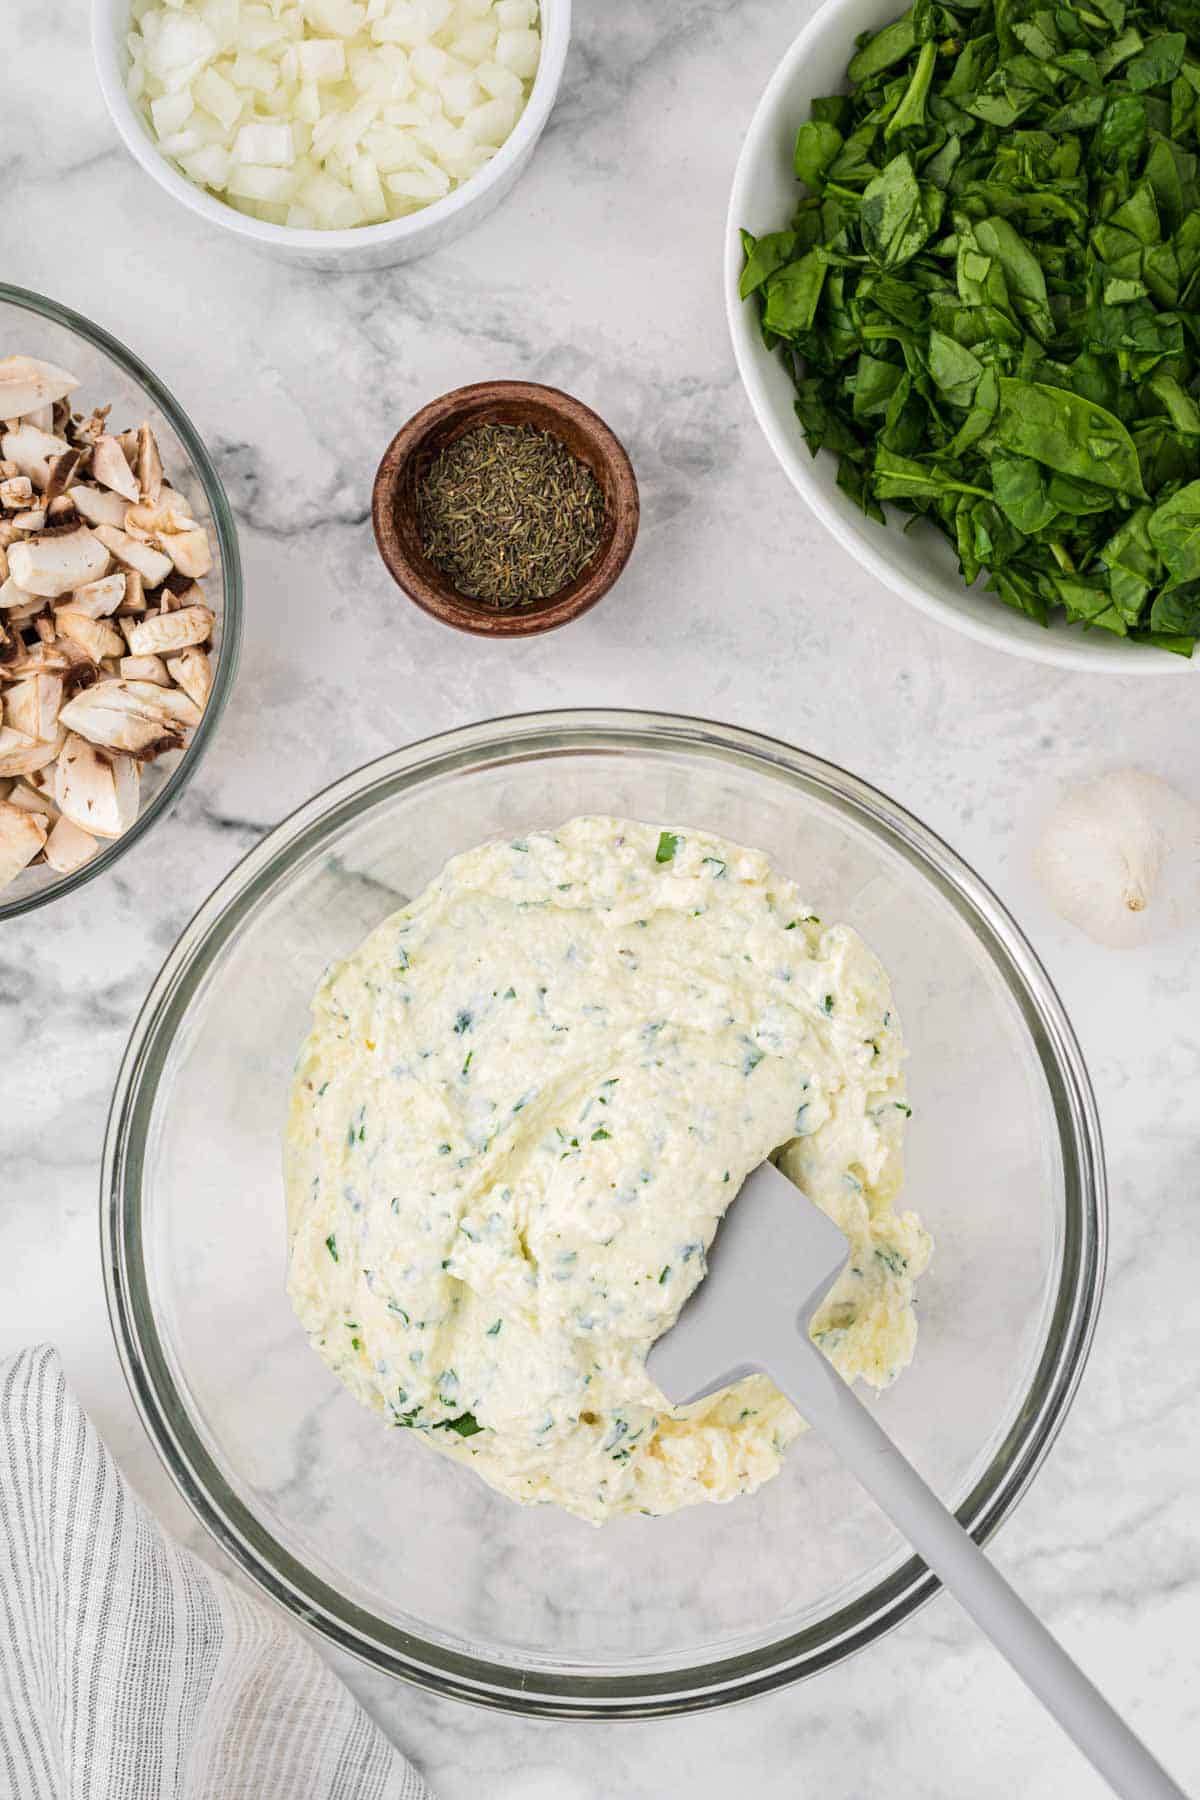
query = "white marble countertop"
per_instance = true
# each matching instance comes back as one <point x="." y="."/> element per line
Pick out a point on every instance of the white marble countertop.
<point x="601" y="274"/>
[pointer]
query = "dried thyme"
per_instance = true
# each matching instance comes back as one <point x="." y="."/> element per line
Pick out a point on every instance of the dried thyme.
<point x="509" y="515"/>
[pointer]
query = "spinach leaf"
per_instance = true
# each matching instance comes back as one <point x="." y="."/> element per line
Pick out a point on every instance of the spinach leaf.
<point x="817" y="144"/>
<point x="763" y="256"/>
<point x="899" y="214"/>
<point x="1068" y="433"/>
<point x="1174" y="530"/>
<point x="793" y="293"/>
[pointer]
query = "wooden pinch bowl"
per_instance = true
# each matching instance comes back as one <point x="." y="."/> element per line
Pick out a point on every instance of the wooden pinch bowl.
<point x="406" y="462"/>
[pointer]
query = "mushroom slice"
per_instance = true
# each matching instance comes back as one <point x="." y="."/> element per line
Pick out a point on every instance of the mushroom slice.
<point x="151" y="564"/>
<point x="110" y="467"/>
<point x="19" y="611"/>
<point x="169" y="513"/>
<point x="32" y="451"/>
<point x="170" y="701"/>
<point x="16" y="491"/>
<point x="99" y="598"/>
<point x="92" y="635"/>
<point x="168" y="632"/>
<point x="21" y="755"/>
<point x="33" y="659"/>
<point x="57" y="561"/>
<point x="96" y="790"/>
<point x="113" y="715"/>
<point x="86" y="431"/>
<point x="34" y="520"/>
<point x="32" y="705"/>
<point x="146" y="668"/>
<point x="27" y="384"/>
<point x="149" y="464"/>
<point x="68" y="847"/>
<point x="22" y="835"/>
<point x="135" y="593"/>
<point x="12" y="594"/>
<point x="189" y="551"/>
<point x="97" y="505"/>
<point x="62" y="472"/>
<point x="31" y="799"/>
<point x="192" y="671"/>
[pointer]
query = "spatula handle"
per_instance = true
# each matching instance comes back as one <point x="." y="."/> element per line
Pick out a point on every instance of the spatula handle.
<point x="831" y="1407"/>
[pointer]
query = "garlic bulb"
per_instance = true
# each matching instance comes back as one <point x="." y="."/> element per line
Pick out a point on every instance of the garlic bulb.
<point x="1120" y="858"/>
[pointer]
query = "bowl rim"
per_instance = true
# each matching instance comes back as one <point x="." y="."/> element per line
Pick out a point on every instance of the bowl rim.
<point x="556" y="34"/>
<point x="1061" y="645"/>
<point x="437" y="597"/>
<point x="531" y="1688"/>
<point x="232" y="597"/>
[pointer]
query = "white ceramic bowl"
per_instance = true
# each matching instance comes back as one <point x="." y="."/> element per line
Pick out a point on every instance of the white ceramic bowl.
<point x="920" y="566"/>
<point x="366" y="246"/>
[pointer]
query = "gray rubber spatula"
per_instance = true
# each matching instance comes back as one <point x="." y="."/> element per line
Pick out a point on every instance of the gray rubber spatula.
<point x="775" y="1258"/>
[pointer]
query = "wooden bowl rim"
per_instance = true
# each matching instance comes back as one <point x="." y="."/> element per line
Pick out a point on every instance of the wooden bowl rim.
<point x="430" y="591"/>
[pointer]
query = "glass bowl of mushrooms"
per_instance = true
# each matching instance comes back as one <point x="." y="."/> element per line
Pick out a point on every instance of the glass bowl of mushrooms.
<point x="120" y="599"/>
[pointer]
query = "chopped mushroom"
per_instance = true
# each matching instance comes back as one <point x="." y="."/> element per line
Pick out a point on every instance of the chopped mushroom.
<point x="173" y="703"/>
<point x="56" y="561"/>
<point x="99" y="598"/>
<point x="22" y="837"/>
<point x="118" y="717"/>
<point x="92" y="635"/>
<point x="110" y="467"/>
<point x="16" y="490"/>
<point x="151" y="668"/>
<point x="12" y="594"/>
<point x="151" y="564"/>
<point x="104" y="630"/>
<point x="193" y="673"/>
<point x="32" y="705"/>
<point x="96" y="790"/>
<point x="97" y="506"/>
<point x="26" y="385"/>
<point x="149" y="465"/>
<point x="31" y="799"/>
<point x="31" y="451"/>
<point x="68" y="847"/>
<point x="189" y="551"/>
<point x="170" y="631"/>
<point x="21" y="754"/>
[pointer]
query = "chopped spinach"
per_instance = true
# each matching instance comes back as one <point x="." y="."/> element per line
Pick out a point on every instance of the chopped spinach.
<point x="466" y="1425"/>
<point x="988" y="295"/>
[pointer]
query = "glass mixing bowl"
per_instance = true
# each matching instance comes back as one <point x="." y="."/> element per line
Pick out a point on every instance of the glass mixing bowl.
<point x="404" y="1557"/>
<point x="109" y="374"/>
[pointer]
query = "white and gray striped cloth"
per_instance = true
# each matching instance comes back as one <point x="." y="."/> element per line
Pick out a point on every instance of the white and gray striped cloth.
<point x="128" y="1669"/>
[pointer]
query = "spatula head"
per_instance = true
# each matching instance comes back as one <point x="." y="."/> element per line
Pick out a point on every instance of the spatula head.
<point x="773" y="1260"/>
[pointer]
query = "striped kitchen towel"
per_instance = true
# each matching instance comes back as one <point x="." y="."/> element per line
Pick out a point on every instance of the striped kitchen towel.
<point x="128" y="1669"/>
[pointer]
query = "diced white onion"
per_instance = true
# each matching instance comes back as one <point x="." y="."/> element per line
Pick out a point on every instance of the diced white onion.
<point x="329" y="114"/>
<point x="321" y="59"/>
<point x="263" y="143"/>
<point x="257" y="72"/>
<point x="218" y="97"/>
<point x="519" y="51"/>
<point x="170" y="112"/>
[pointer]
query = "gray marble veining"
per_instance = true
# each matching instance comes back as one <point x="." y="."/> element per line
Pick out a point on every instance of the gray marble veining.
<point x="601" y="274"/>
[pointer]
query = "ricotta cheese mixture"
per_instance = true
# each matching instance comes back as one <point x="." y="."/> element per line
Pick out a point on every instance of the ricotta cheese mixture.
<point x="524" y="1105"/>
